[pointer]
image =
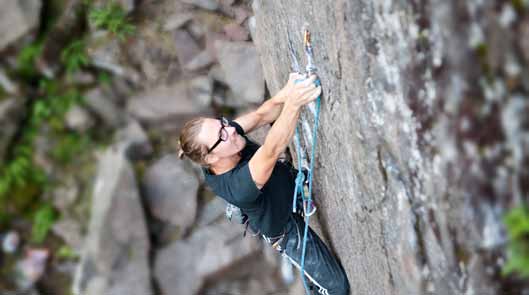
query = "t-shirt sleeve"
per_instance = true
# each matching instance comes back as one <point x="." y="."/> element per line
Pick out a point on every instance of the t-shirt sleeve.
<point x="244" y="189"/>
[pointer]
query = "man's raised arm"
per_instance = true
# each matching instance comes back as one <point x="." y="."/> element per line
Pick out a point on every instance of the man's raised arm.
<point x="263" y="161"/>
<point x="270" y="110"/>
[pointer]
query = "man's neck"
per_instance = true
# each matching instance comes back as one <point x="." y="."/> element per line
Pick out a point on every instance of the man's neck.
<point x="225" y="165"/>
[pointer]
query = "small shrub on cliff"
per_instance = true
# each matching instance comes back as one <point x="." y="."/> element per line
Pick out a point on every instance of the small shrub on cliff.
<point x="112" y="18"/>
<point x="42" y="222"/>
<point x="74" y="56"/>
<point x="26" y="60"/>
<point x="517" y="223"/>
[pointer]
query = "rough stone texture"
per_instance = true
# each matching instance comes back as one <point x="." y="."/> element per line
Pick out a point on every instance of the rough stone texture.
<point x="185" y="45"/>
<point x="236" y="32"/>
<point x="184" y="266"/>
<point x="78" y="119"/>
<point x="199" y="61"/>
<point x="422" y="141"/>
<point x="70" y="231"/>
<point x="7" y="84"/>
<point x="105" y="52"/>
<point x="11" y="112"/>
<point x="173" y="102"/>
<point x="170" y="188"/>
<point x="16" y="19"/>
<point x="212" y="211"/>
<point x="67" y="27"/>
<point x="115" y="254"/>
<point x="134" y="140"/>
<point x="100" y="103"/>
<point x="244" y="74"/>
<point x="205" y="4"/>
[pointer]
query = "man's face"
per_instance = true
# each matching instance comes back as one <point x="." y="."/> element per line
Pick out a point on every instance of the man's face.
<point x="209" y="135"/>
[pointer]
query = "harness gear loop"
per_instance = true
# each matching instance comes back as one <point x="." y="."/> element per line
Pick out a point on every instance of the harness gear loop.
<point x="306" y="195"/>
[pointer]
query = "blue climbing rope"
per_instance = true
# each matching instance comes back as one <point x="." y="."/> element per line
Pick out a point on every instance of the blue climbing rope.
<point x="300" y="178"/>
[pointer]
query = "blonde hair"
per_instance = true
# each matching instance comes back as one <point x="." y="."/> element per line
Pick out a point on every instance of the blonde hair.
<point x="189" y="146"/>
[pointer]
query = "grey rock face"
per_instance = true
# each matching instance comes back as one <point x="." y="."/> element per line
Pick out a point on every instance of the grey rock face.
<point x="134" y="140"/>
<point x="413" y="130"/>
<point x="99" y="102"/>
<point x="7" y="84"/>
<point x="205" y="4"/>
<point x="70" y="231"/>
<point x="63" y="31"/>
<point x="16" y="19"/>
<point x="208" y="252"/>
<point x="241" y="65"/>
<point x="105" y="52"/>
<point x="236" y="32"/>
<point x="170" y="188"/>
<point x="199" y="61"/>
<point x="115" y="254"/>
<point x="212" y="211"/>
<point x="176" y="20"/>
<point x="78" y="119"/>
<point x="186" y="47"/>
<point x="11" y="111"/>
<point x="173" y="102"/>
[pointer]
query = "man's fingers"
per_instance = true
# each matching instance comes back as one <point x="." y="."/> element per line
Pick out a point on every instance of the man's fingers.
<point x="311" y="95"/>
<point x="310" y="80"/>
<point x="295" y="76"/>
<point x="307" y="89"/>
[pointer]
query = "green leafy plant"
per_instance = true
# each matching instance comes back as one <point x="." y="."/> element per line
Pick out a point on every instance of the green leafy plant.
<point x="74" y="56"/>
<point x="66" y="252"/>
<point x="104" y="78"/>
<point x="20" y="177"/>
<point x="19" y="172"/>
<point x="26" y="59"/>
<point x="68" y="146"/>
<point x="112" y="18"/>
<point x="517" y="223"/>
<point x="42" y="222"/>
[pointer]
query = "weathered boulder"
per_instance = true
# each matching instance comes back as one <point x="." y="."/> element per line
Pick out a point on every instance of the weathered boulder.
<point x="416" y="157"/>
<point x="135" y="141"/>
<point x="8" y="85"/>
<point x="241" y="65"/>
<point x="114" y="258"/>
<point x="199" y="61"/>
<point x="11" y="112"/>
<point x="170" y="188"/>
<point x="175" y="102"/>
<point x="78" y="119"/>
<point x="205" y="4"/>
<point x="18" y="18"/>
<point x="186" y="47"/>
<point x="101" y="103"/>
<point x="106" y="53"/>
<point x="211" y="212"/>
<point x="66" y="28"/>
<point x="184" y="266"/>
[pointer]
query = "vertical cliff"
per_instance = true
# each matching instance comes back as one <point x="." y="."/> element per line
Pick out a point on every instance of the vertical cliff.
<point x="422" y="141"/>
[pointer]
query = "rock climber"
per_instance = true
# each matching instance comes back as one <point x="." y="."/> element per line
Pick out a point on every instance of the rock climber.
<point x="255" y="179"/>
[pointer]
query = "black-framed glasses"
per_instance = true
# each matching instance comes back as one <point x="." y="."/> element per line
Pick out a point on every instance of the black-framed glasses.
<point x="223" y="133"/>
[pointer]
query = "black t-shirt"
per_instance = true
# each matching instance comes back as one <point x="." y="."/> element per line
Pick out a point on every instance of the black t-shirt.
<point x="268" y="209"/>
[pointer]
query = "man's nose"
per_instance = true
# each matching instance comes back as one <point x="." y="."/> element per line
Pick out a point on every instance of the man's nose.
<point x="231" y="131"/>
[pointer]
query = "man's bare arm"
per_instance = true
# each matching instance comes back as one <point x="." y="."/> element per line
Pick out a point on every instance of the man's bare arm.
<point x="270" y="110"/>
<point x="263" y="161"/>
<point x="265" y="114"/>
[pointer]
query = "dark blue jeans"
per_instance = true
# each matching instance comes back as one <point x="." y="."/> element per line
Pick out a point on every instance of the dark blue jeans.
<point x="323" y="272"/>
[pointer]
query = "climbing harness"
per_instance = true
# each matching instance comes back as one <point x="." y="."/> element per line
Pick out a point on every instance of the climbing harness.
<point x="304" y="184"/>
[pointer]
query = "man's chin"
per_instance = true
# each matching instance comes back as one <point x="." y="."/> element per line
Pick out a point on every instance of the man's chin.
<point x="243" y="143"/>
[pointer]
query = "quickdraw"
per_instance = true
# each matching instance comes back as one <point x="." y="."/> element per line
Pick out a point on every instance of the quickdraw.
<point x="301" y="182"/>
